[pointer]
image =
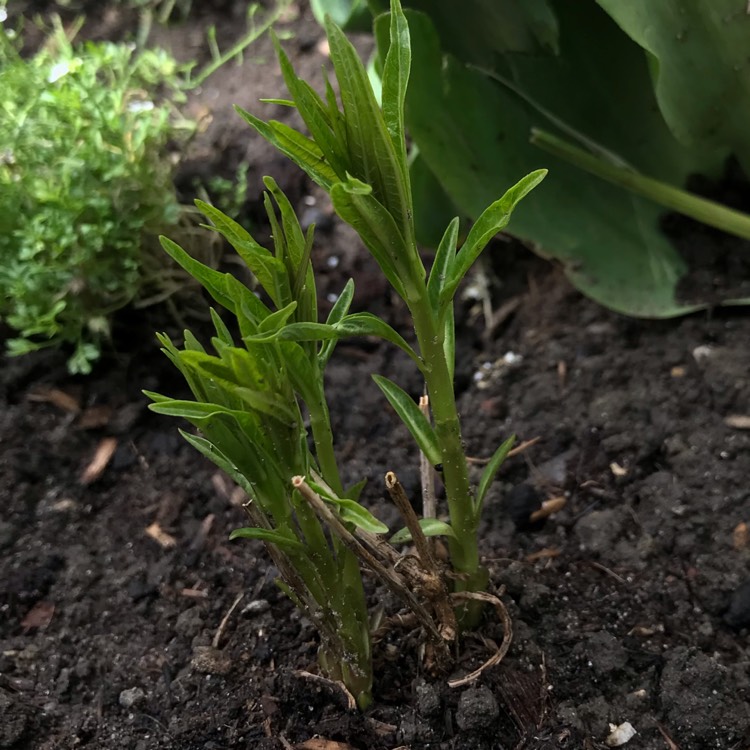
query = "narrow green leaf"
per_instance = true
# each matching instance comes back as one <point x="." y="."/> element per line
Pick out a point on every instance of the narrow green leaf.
<point x="342" y="304"/>
<point x="221" y="330"/>
<point x="191" y="343"/>
<point x="488" y="475"/>
<point x="444" y="259"/>
<point x="396" y="78"/>
<point x="367" y="324"/>
<point x="276" y="321"/>
<point x="352" y="512"/>
<point x="213" y="281"/>
<point x="303" y="151"/>
<point x="356" y="489"/>
<point x="429" y="526"/>
<point x="338" y="311"/>
<point x="269" y="271"/>
<point x="190" y="410"/>
<point x="356" y="205"/>
<point x="314" y="113"/>
<point x="270" y="537"/>
<point x="372" y="156"/>
<point x="493" y="219"/>
<point x="420" y="429"/>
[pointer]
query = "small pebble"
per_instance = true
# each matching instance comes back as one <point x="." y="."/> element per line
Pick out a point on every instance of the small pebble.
<point x="256" y="607"/>
<point x="131" y="697"/>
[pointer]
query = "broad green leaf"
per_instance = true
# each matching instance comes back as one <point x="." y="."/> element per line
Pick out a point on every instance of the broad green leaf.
<point x="429" y="526"/>
<point x="698" y="53"/>
<point x="420" y="429"/>
<point x="301" y="150"/>
<point x="270" y="537"/>
<point x="608" y="241"/>
<point x="492" y="220"/>
<point x="490" y="470"/>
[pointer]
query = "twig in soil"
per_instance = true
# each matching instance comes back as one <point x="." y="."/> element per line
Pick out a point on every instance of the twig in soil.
<point x="432" y="583"/>
<point x="104" y="452"/>
<point x="606" y="570"/>
<point x="351" y="704"/>
<point x="671" y="744"/>
<point x="497" y="657"/>
<point x="225" y="620"/>
<point x="520" y="448"/>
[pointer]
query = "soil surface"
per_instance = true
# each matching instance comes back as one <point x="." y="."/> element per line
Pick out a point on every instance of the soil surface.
<point x="127" y="620"/>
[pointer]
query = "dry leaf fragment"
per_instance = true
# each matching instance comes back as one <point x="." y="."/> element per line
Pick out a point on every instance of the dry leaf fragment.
<point x="104" y="452"/>
<point x="59" y="398"/>
<point x="166" y="541"/>
<point x="738" y="421"/>
<point x="39" y="616"/>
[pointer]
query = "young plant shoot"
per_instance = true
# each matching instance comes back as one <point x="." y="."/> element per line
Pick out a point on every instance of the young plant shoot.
<point x="249" y="397"/>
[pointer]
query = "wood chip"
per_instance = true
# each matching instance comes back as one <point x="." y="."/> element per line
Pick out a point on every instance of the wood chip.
<point x="738" y="421"/>
<point x="194" y="593"/>
<point x="678" y="371"/>
<point x="39" y="616"/>
<point x="59" y="398"/>
<point x="319" y="743"/>
<point x="164" y="540"/>
<point x="104" y="452"/>
<point x="543" y="554"/>
<point x="549" y="507"/>
<point x="740" y="536"/>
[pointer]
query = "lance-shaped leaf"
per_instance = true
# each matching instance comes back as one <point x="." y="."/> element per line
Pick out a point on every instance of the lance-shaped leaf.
<point x="282" y="541"/>
<point x="493" y="219"/>
<point x="488" y="475"/>
<point x="429" y="526"/>
<point x="420" y="429"/>
<point x="338" y="311"/>
<point x="358" y="207"/>
<point x="372" y="155"/>
<point x="441" y="267"/>
<point x="350" y="510"/>
<point x="303" y="151"/>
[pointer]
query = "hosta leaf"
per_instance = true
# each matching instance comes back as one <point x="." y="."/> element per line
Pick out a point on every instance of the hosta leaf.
<point x="420" y="429"/>
<point x="429" y="526"/>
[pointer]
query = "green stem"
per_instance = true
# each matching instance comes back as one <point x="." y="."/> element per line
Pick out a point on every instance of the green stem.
<point x="701" y="209"/>
<point x="464" y="549"/>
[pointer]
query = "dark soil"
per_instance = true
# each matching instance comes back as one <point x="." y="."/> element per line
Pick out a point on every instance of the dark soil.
<point x="631" y="604"/>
